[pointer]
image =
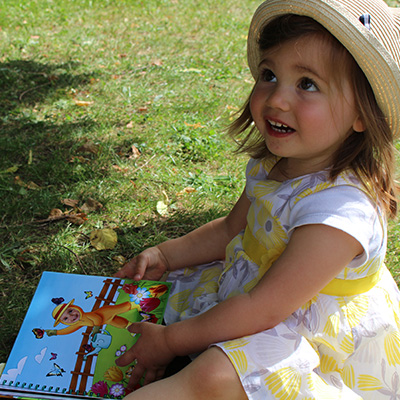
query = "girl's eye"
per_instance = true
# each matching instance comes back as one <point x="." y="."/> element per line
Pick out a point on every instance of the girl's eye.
<point x="308" y="85"/>
<point x="267" y="76"/>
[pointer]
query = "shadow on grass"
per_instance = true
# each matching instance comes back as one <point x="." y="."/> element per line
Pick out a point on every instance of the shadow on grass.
<point x="27" y="82"/>
<point x="33" y="147"/>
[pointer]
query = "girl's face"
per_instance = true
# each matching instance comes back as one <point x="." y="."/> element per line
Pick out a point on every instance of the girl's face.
<point x="70" y="315"/>
<point x="302" y="112"/>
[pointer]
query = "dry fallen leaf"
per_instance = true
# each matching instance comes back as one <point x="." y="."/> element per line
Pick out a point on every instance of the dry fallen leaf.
<point x="70" y="202"/>
<point x="82" y="103"/>
<point x="77" y="219"/>
<point x="88" y="147"/>
<point x="55" y="213"/>
<point x="143" y="109"/>
<point x="135" y="152"/>
<point x="162" y="208"/>
<point x="119" y="259"/>
<point x="10" y="170"/>
<point x="195" y="126"/>
<point x="30" y="185"/>
<point x="103" y="239"/>
<point x="186" y="190"/>
<point x="91" y="205"/>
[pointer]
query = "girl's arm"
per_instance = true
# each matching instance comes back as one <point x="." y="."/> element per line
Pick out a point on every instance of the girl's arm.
<point x="204" y="244"/>
<point x="314" y="256"/>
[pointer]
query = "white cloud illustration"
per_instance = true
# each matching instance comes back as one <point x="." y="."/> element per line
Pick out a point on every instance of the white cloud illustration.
<point x="39" y="357"/>
<point x="12" y="373"/>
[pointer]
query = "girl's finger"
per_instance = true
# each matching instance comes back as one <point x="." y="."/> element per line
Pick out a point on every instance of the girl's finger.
<point x="127" y="358"/>
<point x="140" y="268"/>
<point x="135" y="327"/>
<point x="137" y="374"/>
<point x="128" y="270"/>
<point x="150" y="376"/>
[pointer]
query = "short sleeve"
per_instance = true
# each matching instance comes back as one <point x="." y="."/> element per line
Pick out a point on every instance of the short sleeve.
<point x="343" y="207"/>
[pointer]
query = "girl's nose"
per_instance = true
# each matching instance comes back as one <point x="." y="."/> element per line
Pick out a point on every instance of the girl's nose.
<point x="279" y="98"/>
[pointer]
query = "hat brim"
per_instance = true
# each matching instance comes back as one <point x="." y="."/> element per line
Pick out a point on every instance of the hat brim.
<point x="374" y="58"/>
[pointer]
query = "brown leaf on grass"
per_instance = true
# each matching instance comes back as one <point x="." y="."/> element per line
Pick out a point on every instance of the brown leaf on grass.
<point x="135" y="152"/>
<point x="119" y="169"/>
<point x="70" y="202"/>
<point x="119" y="259"/>
<point x="143" y="109"/>
<point x="88" y="147"/>
<point x="77" y="218"/>
<point x="10" y="170"/>
<point x="157" y="63"/>
<point x="91" y="205"/>
<point x="129" y="125"/>
<point x="30" y="185"/>
<point x="186" y="190"/>
<point x="80" y="159"/>
<point x="56" y="213"/>
<point x="82" y="103"/>
<point x="103" y="239"/>
<point x="195" y="126"/>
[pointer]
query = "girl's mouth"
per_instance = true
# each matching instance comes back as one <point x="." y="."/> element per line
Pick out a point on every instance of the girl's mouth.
<point x="280" y="128"/>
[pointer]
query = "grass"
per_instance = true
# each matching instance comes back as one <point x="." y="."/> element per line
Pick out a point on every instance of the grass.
<point x="124" y="103"/>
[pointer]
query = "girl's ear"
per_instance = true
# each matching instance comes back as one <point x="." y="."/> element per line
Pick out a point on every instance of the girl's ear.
<point x="358" y="125"/>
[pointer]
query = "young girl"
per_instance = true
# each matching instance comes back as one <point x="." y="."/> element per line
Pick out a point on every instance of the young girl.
<point x="302" y="307"/>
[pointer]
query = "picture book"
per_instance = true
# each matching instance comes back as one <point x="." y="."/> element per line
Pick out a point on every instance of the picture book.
<point x="74" y="330"/>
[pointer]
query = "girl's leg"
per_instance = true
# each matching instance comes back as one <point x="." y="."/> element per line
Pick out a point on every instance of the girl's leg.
<point x="210" y="376"/>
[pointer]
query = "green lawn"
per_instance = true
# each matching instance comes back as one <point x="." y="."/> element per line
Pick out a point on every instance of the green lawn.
<point x="113" y="112"/>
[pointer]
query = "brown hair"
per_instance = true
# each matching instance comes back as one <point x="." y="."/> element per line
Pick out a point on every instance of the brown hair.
<point x="369" y="154"/>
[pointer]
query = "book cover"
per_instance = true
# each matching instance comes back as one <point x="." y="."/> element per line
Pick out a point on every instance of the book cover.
<point x="73" y="332"/>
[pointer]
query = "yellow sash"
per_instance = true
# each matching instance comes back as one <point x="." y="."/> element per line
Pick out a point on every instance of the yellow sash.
<point x="337" y="287"/>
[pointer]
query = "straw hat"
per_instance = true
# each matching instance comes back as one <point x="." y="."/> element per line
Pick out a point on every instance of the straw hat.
<point x="59" y="310"/>
<point x="376" y="48"/>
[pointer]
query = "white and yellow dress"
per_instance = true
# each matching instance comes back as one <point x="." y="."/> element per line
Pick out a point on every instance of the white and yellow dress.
<point x="342" y="344"/>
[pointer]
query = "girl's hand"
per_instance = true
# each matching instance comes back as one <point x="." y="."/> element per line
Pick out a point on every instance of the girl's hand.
<point x="151" y="353"/>
<point x="149" y="264"/>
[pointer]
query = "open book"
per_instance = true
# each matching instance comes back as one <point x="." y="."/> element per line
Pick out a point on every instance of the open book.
<point x="73" y="332"/>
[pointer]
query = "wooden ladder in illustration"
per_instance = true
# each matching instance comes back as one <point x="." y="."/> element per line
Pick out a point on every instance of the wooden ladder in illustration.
<point x="82" y="370"/>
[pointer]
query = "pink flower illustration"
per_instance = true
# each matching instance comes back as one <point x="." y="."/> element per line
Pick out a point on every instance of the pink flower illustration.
<point x="100" y="388"/>
<point x="129" y="288"/>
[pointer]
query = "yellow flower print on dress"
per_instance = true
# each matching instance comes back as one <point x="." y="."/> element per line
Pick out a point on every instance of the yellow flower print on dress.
<point x="392" y="347"/>
<point x="348" y="376"/>
<point x="347" y="344"/>
<point x="284" y="384"/>
<point x="255" y="170"/>
<point x="317" y="188"/>
<point x="354" y="309"/>
<point x="369" y="382"/>
<point x="239" y="360"/>
<point x="332" y="325"/>
<point x="328" y="364"/>
<point x="237" y="343"/>
<point x="323" y="391"/>
<point x="180" y="301"/>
